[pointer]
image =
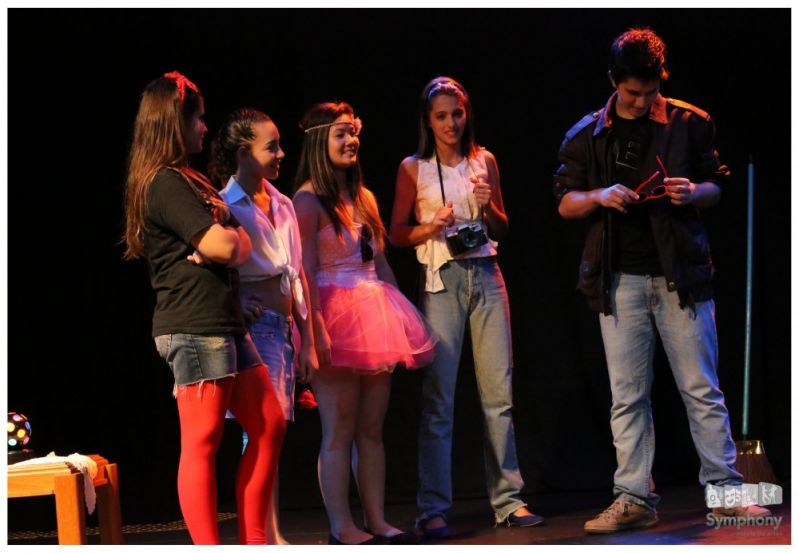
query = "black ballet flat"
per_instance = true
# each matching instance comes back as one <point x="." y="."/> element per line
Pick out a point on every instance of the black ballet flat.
<point x="374" y="540"/>
<point x="403" y="538"/>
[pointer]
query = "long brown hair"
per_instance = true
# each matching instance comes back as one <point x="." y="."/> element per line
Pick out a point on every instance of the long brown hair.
<point x="315" y="166"/>
<point x="166" y="105"/>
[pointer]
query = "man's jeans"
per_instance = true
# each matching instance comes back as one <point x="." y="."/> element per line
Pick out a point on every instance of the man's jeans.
<point x="641" y="306"/>
<point x="475" y="291"/>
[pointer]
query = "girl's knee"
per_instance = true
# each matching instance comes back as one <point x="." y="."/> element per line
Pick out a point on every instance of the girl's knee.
<point x="338" y="439"/>
<point x="369" y="434"/>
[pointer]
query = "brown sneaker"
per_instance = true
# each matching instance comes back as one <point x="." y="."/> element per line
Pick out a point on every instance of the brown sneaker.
<point x="750" y="511"/>
<point x="621" y="515"/>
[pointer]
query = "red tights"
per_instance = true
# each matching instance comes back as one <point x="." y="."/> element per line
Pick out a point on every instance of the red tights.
<point x="201" y="407"/>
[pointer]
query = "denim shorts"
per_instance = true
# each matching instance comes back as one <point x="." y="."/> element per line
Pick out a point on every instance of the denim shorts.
<point x="195" y="358"/>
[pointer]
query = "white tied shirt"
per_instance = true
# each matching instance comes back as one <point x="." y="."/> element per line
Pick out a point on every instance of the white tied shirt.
<point x="458" y="188"/>
<point x="276" y="249"/>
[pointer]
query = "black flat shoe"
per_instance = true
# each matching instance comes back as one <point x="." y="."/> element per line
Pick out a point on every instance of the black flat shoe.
<point x="374" y="540"/>
<point x="439" y="533"/>
<point x="524" y="521"/>
<point x="403" y="538"/>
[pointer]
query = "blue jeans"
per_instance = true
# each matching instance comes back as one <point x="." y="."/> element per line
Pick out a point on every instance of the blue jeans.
<point x="475" y="291"/>
<point x="640" y="307"/>
<point x="271" y="333"/>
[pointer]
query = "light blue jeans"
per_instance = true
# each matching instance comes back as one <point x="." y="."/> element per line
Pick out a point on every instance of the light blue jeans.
<point x="272" y="336"/>
<point x="640" y="307"/>
<point x="475" y="291"/>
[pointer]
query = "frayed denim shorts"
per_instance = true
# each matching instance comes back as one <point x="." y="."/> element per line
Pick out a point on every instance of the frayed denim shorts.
<point x="196" y="358"/>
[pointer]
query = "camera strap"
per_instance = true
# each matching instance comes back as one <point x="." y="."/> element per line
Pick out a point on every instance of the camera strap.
<point x="441" y="181"/>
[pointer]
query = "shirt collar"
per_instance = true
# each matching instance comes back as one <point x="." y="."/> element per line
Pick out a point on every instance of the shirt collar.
<point x="233" y="192"/>
<point x="657" y="113"/>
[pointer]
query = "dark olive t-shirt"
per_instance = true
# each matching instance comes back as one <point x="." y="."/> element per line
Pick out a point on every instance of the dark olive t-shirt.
<point x="636" y="252"/>
<point x="189" y="298"/>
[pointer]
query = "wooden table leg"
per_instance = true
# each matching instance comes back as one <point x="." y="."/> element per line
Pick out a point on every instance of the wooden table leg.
<point x="69" y="507"/>
<point x="108" y="508"/>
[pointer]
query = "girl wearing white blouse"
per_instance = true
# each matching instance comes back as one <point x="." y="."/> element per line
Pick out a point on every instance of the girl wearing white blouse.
<point x="452" y="187"/>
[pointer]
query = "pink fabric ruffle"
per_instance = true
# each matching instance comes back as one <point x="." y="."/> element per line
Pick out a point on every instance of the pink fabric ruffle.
<point x="373" y="327"/>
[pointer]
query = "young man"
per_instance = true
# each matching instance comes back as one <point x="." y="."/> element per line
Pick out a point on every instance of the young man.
<point x="641" y="168"/>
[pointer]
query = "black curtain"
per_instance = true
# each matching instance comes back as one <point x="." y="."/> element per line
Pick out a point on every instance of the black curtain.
<point x="82" y="365"/>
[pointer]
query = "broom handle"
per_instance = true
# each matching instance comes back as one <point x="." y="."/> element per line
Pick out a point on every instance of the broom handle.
<point x="750" y="190"/>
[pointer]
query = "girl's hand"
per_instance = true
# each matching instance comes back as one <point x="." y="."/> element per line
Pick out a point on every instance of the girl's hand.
<point x="308" y="363"/>
<point x="251" y="309"/>
<point x="444" y="217"/>
<point x="482" y="192"/>
<point x="198" y="259"/>
<point x="321" y="340"/>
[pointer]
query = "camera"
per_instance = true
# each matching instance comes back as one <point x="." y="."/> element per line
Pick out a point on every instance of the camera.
<point x="466" y="237"/>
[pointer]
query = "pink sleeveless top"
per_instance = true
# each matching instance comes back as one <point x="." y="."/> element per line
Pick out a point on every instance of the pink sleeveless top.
<point x="339" y="258"/>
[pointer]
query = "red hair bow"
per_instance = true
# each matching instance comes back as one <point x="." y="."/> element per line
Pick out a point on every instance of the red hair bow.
<point x="182" y="82"/>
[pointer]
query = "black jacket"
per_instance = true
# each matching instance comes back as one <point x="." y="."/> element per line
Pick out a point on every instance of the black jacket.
<point x="683" y="136"/>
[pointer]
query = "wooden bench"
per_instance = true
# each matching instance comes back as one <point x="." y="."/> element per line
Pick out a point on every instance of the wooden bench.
<point x="66" y="483"/>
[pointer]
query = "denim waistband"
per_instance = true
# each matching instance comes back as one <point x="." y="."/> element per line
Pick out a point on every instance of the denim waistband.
<point x="273" y="319"/>
<point x="467" y="262"/>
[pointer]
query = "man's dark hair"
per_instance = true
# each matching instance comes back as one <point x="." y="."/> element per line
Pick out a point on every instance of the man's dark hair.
<point x="638" y="53"/>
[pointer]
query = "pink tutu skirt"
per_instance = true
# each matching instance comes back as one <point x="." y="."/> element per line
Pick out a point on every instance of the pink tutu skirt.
<point x="373" y="327"/>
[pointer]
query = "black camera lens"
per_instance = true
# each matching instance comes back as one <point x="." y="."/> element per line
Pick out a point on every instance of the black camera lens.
<point x="469" y="238"/>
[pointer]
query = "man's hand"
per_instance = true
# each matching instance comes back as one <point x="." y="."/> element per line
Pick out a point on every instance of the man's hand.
<point x="616" y="197"/>
<point x="680" y="190"/>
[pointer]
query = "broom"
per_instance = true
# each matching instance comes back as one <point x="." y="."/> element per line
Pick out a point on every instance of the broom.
<point x="752" y="462"/>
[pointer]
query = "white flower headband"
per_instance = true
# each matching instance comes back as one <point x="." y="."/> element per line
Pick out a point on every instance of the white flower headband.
<point x="356" y="123"/>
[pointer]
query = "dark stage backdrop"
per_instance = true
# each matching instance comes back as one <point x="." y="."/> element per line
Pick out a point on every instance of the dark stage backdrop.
<point x="92" y="381"/>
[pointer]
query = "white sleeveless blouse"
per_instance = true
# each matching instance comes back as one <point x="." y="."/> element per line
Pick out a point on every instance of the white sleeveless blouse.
<point x="458" y="188"/>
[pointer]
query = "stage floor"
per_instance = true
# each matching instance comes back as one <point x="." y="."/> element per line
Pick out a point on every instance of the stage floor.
<point x="682" y="521"/>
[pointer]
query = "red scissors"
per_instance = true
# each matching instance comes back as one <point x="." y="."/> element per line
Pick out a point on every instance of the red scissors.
<point x="656" y="192"/>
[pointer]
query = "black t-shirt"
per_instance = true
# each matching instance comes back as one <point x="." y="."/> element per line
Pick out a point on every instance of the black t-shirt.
<point x="189" y="298"/>
<point x="636" y="252"/>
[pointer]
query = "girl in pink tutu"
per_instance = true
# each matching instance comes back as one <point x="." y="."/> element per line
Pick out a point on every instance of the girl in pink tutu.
<point x="362" y="324"/>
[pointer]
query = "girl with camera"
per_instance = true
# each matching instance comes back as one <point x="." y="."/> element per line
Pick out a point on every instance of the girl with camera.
<point x="452" y="188"/>
<point x="363" y="325"/>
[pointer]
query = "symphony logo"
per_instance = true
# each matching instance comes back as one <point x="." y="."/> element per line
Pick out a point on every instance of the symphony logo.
<point x="730" y="504"/>
<point x="729" y="497"/>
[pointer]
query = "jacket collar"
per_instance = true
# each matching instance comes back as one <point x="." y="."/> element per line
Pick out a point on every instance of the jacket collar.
<point x="657" y="113"/>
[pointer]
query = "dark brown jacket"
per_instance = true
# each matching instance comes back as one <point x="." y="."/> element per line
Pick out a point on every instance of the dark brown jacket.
<point x="683" y="136"/>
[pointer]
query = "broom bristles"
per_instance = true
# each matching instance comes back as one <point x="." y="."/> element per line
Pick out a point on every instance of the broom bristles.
<point x="753" y="464"/>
